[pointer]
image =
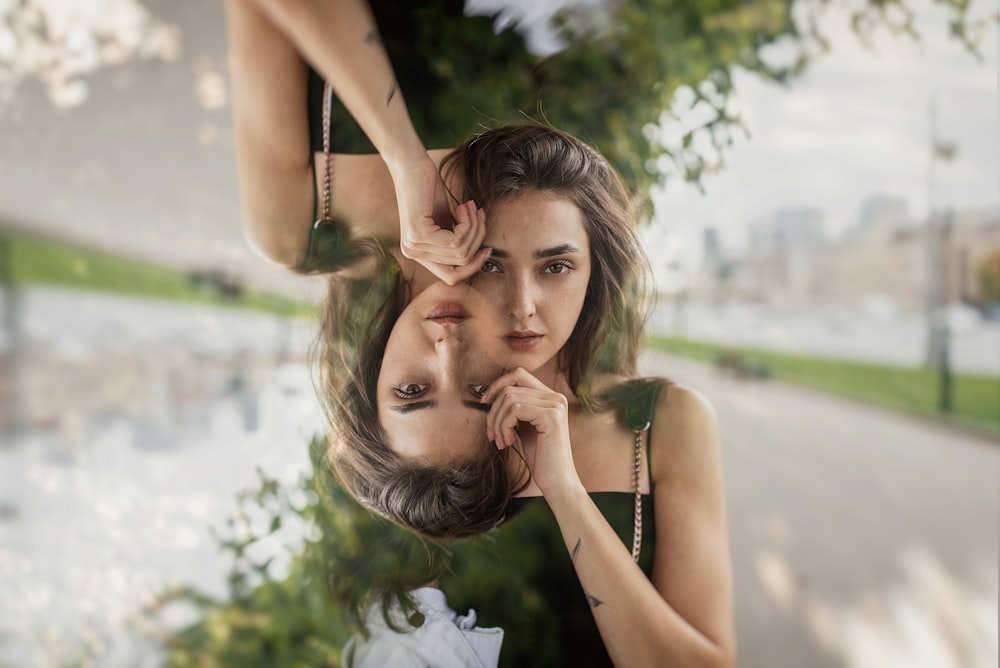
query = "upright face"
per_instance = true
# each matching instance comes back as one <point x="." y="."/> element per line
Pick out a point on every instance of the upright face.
<point x="535" y="281"/>
<point x="433" y="373"/>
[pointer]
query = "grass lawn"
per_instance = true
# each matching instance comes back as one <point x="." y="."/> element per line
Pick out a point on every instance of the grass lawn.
<point x="975" y="399"/>
<point x="26" y="258"/>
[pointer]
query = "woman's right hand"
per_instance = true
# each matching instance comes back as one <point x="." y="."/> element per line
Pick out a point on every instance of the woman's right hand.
<point x="447" y="244"/>
<point x="528" y="415"/>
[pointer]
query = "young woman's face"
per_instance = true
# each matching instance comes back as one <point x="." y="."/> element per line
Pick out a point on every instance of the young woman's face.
<point x="536" y="279"/>
<point x="433" y="373"/>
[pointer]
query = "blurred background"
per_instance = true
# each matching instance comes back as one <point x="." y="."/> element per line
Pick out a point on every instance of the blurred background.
<point x="822" y="213"/>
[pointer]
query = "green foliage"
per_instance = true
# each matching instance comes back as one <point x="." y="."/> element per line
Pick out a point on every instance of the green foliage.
<point x="265" y="620"/>
<point x="34" y="259"/>
<point x="976" y="397"/>
<point x="620" y="74"/>
<point x="301" y="615"/>
<point x="345" y="558"/>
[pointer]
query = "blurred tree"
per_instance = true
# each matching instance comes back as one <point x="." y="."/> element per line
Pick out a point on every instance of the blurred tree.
<point x="625" y="68"/>
<point x="988" y="273"/>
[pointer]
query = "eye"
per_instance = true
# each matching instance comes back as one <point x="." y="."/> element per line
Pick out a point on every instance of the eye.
<point x="409" y="390"/>
<point x="479" y="390"/>
<point x="490" y="267"/>
<point x="558" y="267"/>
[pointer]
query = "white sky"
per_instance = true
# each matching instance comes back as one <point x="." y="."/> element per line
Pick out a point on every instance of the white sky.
<point x="857" y="124"/>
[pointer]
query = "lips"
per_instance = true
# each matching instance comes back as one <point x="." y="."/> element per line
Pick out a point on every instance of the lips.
<point x="448" y="314"/>
<point x="521" y="341"/>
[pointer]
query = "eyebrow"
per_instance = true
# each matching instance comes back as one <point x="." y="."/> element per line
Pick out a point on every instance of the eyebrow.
<point x="561" y="249"/>
<point x="431" y="403"/>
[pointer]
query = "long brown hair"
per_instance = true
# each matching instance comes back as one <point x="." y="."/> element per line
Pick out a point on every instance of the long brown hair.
<point x="513" y="160"/>
<point x="471" y="496"/>
<point x="464" y="498"/>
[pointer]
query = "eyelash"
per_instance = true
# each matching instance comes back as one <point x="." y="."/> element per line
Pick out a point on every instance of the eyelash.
<point x="565" y="266"/>
<point x="405" y="390"/>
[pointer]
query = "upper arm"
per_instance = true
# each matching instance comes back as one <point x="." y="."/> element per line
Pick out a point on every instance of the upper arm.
<point x="271" y="128"/>
<point x="692" y="565"/>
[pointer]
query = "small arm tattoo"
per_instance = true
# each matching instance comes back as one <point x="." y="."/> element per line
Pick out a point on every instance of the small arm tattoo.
<point x="392" y="92"/>
<point x="576" y="550"/>
<point x="373" y="37"/>
<point x="593" y="601"/>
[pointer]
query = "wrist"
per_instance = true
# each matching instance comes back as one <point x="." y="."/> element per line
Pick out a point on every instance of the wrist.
<point x="403" y="152"/>
<point x="564" y="494"/>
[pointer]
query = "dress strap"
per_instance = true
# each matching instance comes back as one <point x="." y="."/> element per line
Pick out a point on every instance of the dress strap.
<point x="635" y="404"/>
<point x="637" y="517"/>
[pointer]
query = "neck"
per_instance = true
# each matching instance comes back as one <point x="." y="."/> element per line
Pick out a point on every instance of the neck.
<point x="551" y="375"/>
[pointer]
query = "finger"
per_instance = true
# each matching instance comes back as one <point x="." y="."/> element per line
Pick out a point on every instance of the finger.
<point x="465" y="231"/>
<point x="474" y="234"/>
<point x="452" y="275"/>
<point x="517" y="377"/>
<point x="468" y="230"/>
<point x="444" y="272"/>
<point x="515" y="404"/>
<point x="443" y="246"/>
<point x="474" y="266"/>
<point x="544" y="415"/>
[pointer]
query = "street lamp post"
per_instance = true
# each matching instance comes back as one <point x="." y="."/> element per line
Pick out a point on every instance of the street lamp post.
<point x="938" y="251"/>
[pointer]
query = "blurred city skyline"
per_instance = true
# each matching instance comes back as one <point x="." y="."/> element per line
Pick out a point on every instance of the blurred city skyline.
<point x="855" y="126"/>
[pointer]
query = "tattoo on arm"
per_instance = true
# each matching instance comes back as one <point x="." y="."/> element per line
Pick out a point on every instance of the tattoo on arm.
<point x="592" y="601"/>
<point x="374" y="39"/>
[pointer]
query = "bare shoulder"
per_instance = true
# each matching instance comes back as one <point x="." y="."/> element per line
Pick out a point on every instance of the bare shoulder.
<point x="684" y="408"/>
<point x="685" y="434"/>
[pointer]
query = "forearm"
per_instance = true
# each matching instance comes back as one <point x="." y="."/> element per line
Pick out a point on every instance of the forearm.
<point x="340" y="39"/>
<point x="362" y="194"/>
<point x="638" y="626"/>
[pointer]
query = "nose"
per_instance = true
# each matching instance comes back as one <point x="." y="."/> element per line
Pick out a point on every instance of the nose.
<point x="521" y="299"/>
<point x="446" y="335"/>
<point x="450" y="346"/>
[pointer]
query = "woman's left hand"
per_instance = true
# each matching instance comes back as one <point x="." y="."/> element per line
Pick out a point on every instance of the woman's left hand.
<point x="529" y="415"/>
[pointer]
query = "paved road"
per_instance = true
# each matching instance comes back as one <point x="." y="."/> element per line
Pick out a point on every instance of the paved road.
<point x="859" y="538"/>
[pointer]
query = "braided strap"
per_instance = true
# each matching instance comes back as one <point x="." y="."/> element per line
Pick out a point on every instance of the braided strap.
<point x="636" y="470"/>
<point x="328" y="175"/>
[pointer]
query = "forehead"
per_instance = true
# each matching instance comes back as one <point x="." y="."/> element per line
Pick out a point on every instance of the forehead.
<point x="533" y="217"/>
<point x="439" y="435"/>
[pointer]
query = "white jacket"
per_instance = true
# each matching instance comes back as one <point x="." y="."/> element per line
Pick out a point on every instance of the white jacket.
<point x="444" y="640"/>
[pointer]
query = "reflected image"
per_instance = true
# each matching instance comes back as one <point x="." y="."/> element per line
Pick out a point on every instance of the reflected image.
<point x="454" y="402"/>
<point x="357" y="333"/>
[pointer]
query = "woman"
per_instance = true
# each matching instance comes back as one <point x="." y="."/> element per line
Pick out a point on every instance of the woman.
<point x="282" y="194"/>
<point x="680" y="612"/>
<point x="563" y="260"/>
<point x="269" y="75"/>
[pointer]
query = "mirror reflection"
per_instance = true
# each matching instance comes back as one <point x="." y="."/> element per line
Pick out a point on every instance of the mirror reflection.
<point x="477" y="360"/>
<point x="478" y="411"/>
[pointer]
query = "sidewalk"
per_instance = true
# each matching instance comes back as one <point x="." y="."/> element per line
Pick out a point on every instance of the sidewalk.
<point x="860" y="538"/>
